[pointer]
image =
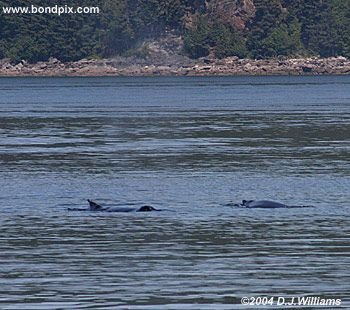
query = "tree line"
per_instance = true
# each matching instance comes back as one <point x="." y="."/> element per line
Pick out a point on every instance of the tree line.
<point x="278" y="28"/>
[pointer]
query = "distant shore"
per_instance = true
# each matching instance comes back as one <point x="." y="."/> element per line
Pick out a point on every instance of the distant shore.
<point x="203" y="67"/>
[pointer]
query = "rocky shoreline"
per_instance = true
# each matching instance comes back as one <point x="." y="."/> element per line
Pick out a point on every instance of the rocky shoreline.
<point x="122" y="66"/>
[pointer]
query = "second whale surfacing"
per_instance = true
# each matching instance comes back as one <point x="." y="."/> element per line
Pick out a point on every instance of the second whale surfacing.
<point x="93" y="206"/>
<point x="267" y="204"/>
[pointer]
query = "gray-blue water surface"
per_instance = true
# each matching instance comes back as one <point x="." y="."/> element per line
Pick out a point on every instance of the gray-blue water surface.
<point x="190" y="146"/>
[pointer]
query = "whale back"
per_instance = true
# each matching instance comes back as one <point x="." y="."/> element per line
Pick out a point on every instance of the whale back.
<point x="263" y="204"/>
<point x="146" y="209"/>
<point x="96" y="207"/>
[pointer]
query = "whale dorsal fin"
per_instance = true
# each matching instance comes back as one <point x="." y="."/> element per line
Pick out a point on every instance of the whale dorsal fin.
<point x="93" y="205"/>
<point x="246" y="202"/>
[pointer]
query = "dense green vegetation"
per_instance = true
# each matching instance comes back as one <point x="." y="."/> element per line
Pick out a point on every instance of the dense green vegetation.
<point x="278" y="28"/>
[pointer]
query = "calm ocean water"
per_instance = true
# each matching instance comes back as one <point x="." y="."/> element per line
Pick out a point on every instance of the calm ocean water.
<point x="187" y="145"/>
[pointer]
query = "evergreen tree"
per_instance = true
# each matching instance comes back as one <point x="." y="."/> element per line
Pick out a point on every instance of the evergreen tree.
<point x="279" y="27"/>
<point x="340" y="10"/>
<point x="283" y="40"/>
<point x="268" y="17"/>
<point x="321" y="25"/>
<point x="227" y="41"/>
<point x="197" y="38"/>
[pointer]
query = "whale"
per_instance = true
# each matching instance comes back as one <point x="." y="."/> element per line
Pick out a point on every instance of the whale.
<point x="93" y="206"/>
<point x="267" y="204"/>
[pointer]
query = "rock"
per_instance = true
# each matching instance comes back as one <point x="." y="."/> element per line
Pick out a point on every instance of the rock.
<point x="306" y="69"/>
<point x="235" y="12"/>
<point x="53" y="60"/>
<point x="177" y="66"/>
<point x="19" y="66"/>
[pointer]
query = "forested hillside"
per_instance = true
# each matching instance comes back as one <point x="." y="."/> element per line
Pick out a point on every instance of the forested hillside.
<point x="220" y="28"/>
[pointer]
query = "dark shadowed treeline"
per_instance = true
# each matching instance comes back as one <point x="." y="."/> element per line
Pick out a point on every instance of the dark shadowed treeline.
<point x="245" y="28"/>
